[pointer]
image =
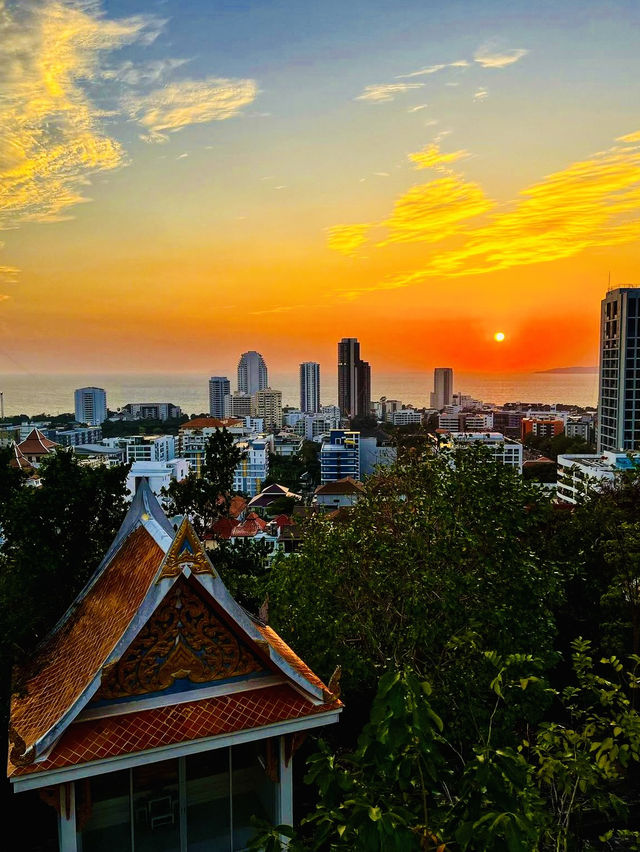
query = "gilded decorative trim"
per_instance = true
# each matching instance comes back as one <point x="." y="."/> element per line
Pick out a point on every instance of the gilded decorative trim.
<point x="184" y="639"/>
<point x="186" y="551"/>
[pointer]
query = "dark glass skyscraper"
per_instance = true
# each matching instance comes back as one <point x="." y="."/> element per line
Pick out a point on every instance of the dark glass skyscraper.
<point x="354" y="379"/>
<point x="619" y="392"/>
<point x="219" y="389"/>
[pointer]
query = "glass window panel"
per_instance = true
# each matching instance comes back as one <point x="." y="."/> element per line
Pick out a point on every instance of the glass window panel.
<point x="254" y="792"/>
<point x="155" y="807"/>
<point x="104" y="812"/>
<point x="208" y="812"/>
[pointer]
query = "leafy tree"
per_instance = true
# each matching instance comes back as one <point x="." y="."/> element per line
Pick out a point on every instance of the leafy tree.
<point x="54" y="538"/>
<point x="243" y="565"/>
<point x="433" y="556"/>
<point x="403" y="788"/>
<point x="207" y="497"/>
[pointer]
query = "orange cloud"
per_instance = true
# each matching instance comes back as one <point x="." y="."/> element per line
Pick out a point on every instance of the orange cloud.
<point x="52" y="138"/>
<point x="432" y="157"/>
<point x="593" y="202"/>
<point x="347" y="239"/>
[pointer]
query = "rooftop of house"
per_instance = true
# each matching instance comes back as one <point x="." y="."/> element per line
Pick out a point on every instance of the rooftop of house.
<point x="347" y="485"/>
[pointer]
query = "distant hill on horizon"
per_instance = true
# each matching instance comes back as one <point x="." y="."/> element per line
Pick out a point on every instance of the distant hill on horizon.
<point x="570" y="370"/>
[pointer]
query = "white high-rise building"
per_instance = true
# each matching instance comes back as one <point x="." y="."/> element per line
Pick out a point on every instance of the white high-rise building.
<point x="619" y="402"/>
<point x="90" y="406"/>
<point x="252" y="373"/>
<point x="442" y="388"/>
<point x="310" y="387"/>
<point x="219" y="389"/>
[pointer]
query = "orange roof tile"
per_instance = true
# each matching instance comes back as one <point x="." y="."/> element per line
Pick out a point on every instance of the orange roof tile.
<point x="210" y="423"/>
<point x="113" y="736"/>
<point x="278" y="644"/>
<point x="73" y="654"/>
<point x="252" y="525"/>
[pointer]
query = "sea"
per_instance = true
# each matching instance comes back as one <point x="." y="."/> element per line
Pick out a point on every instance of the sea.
<point x="33" y="393"/>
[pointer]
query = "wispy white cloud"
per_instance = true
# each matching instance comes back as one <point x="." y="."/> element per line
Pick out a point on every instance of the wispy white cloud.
<point x="187" y="102"/>
<point x="489" y="57"/>
<point x="378" y="94"/>
<point x="480" y="94"/>
<point x="433" y="69"/>
<point x="417" y="108"/>
<point x="143" y="73"/>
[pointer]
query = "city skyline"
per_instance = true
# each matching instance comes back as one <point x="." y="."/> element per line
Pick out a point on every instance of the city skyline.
<point x="433" y="172"/>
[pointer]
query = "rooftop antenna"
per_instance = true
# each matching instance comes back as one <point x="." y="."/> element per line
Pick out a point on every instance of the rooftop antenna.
<point x="1" y="405"/>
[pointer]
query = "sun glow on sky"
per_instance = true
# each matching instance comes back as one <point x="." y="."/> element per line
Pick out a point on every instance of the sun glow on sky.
<point x="176" y="189"/>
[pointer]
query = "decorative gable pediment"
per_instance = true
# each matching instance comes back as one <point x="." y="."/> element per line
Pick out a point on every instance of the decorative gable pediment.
<point x="185" y="554"/>
<point x="184" y="640"/>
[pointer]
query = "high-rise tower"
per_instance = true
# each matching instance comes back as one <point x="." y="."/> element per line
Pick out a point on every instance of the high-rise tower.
<point x="619" y="385"/>
<point x="219" y="390"/>
<point x="442" y="393"/>
<point x="252" y="373"/>
<point x="310" y="387"/>
<point x="354" y="379"/>
<point x="90" y="406"/>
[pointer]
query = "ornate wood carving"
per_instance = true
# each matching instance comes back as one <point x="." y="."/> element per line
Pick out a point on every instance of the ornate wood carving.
<point x="185" y="552"/>
<point x="183" y="639"/>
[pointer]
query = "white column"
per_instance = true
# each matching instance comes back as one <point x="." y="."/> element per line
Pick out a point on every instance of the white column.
<point x="67" y="839"/>
<point x="285" y="788"/>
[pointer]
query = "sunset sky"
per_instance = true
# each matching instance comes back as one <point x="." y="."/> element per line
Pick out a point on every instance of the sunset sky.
<point x="182" y="181"/>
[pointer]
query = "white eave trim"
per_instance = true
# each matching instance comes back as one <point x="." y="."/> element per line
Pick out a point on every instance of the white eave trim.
<point x="113" y="764"/>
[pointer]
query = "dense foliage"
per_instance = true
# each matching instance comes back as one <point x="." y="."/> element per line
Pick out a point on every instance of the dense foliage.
<point x="206" y="495"/>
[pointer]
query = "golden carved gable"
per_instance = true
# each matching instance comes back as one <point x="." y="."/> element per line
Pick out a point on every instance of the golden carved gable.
<point x="185" y="552"/>
<point x="184" y="639"/>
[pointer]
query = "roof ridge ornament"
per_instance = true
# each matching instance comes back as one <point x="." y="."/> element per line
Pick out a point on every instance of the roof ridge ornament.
<point x="186" y="554"/>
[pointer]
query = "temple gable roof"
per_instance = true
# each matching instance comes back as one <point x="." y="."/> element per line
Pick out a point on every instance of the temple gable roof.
<point x="155" y="629"/>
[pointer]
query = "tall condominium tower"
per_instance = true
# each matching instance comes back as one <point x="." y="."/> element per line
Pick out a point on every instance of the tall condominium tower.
<point x="619" y="398"/>
<point x="252" y="373"/>
<point x="310" y="387"/>
<point x="219" y="389"/>
<point x="442" y="393"/>
<point x="354" y="379"/>
<point x="91" y="406"/>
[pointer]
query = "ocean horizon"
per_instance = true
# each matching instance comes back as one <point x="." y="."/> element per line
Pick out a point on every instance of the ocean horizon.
<point x="52" y="393"/>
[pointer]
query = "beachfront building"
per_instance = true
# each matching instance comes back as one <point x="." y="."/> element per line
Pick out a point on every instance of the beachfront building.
<point x="619" y="401"/>
<point x="159" y="714"/>
<point x="90" y="406"/>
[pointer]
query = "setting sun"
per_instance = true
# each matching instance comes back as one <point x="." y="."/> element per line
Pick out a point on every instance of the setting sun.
<point x="498" y="336"/>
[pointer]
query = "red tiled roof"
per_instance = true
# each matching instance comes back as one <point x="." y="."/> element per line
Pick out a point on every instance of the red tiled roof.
<point x="18" y="460"/>
<point x="36" y="444"/>
<point x="223" y="527"/>
<point x="251" y="526"/>
<point x="237" y="507"/>
<point x="210" y="423"/>
<point x="283" y="521"/>
<point x="348" y="485"/>
<point x="113" y="736"/>
<point x="73" y="654"/>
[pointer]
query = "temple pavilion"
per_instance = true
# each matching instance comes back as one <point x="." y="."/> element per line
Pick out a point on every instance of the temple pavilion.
<point x="159" y="714"/>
